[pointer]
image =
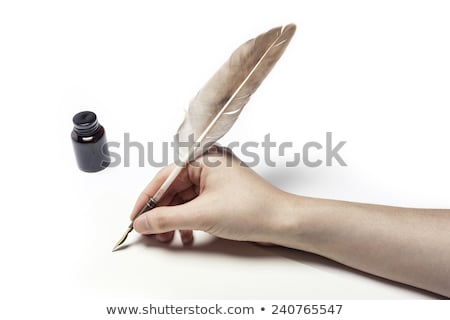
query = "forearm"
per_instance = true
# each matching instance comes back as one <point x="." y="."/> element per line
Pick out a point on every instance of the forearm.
<point x="411" y="246"/>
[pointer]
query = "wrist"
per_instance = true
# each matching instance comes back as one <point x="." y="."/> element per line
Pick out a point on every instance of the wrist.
<point x="301" y="222"/>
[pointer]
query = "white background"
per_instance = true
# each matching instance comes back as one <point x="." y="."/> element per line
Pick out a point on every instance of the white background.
<point x="376" y="74"/>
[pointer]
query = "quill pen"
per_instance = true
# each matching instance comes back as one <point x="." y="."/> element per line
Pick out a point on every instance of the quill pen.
<point x="218" y="104"/>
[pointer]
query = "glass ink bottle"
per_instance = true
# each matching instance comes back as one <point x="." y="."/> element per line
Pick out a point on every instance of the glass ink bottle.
<point x="89" y="142"/>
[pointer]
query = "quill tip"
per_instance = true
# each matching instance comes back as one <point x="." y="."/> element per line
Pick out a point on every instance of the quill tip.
<point x="122" y="239"/>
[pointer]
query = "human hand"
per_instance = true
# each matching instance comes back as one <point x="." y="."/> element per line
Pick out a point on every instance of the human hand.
<point x="231" y="201"/>
<point x="217" y="194"/>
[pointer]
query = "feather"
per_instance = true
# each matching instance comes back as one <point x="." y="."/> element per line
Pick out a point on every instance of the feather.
<point x="219" y="103"/>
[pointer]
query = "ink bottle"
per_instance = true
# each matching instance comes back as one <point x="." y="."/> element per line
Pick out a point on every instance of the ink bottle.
<point x="89" y="142"/>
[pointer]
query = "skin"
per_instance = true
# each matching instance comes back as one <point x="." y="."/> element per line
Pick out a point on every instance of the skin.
<point x="231" y="201"/>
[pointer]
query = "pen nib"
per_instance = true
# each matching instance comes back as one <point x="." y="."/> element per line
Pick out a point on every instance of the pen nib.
<point x="123" y="238"/>
<point x="148" y="206"/>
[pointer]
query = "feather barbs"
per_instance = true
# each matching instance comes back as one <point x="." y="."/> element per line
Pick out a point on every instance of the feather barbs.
<point x="218" y="104"/>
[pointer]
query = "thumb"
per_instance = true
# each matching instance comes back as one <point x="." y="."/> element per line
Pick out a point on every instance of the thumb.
<point x="168" y="218"/>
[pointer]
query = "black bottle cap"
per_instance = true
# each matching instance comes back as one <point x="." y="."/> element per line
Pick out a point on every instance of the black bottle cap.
<point x="85" y="123"/>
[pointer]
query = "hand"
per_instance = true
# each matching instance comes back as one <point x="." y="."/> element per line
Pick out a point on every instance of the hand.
<point x="218" y="194"/>
<point x="229" y="200"/>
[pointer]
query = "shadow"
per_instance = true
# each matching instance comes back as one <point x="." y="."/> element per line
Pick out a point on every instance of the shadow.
<point x="251" y="250"/>
<point x="331" y="266"/>
<point x="282" y="177"/>
<point x="214" y="246"/>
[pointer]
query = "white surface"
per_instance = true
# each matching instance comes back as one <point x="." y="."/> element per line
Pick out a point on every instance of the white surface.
<point x="376" y="75"/>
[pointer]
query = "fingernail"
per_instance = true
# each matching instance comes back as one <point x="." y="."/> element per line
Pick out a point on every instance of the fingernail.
<point x="141" y="224"/>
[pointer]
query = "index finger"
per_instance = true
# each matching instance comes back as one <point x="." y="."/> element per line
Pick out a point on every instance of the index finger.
<point x="181" y="183"/>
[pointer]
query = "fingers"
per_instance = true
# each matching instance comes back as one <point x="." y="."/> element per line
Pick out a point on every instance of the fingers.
<point x="165" y="219"/>
<point x="176" y="210"/>
<point x="158" y="221"/>
<point x="165" y="237"/>
<point x="151" y="189"/>
<point x="182" y="183"/>
<point x="187" y="179"/>
<point x="184" y="196"/>
<point x="186" y="236"/>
